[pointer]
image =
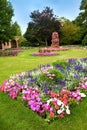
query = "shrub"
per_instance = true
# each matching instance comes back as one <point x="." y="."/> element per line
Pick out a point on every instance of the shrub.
<point x="63" y="63"/>
<point x="9" y="52"/>
<point x="51" y="76"/>
<point x="84" y="41"/>
<point x="23" y="42"/>
<point x="57" y="74"/>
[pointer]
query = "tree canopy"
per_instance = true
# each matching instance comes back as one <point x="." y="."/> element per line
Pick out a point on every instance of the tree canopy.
<point x="6" y="13"/>
<point x="15" y="29"/>
<point x="42" y="25"/>
<point x="70" y="33"/>
<point x="81" y="19"/>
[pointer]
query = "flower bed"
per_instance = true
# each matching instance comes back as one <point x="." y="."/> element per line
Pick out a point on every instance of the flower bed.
<point x="10" y="52"/>
<point x="44" y="54"/>
<point x="50" y="90"/>
<point x="54" y="49"/>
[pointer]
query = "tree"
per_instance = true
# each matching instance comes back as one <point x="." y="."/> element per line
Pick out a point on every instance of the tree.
<point x="81" y="19"/>
<point x="84" y="41"/>
<point x="6" y="13"/>
<point x="70" y="33"/>
<point x="42" y="25"/>
<point x="23" y="42"/>
<point x="16" y="30"/>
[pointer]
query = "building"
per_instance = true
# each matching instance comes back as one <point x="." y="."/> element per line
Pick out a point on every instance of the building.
<point x="11" y="44"/>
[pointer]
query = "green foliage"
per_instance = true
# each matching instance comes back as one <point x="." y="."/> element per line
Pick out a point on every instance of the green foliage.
<point x="70" y="33"/>
<point x="23" y="42"/>
<point x="81" y="19"/>
<point x="40" y="29"/>
<point x="15" y="29"/>
<point x="44" y="78"/>
<point x="6" y="13"/>
<point x="52" y="76"/>
<point x="58" y="74"/>
<point x="84" y="41"/>
<point x="63" y="63"/>
<point x="83" y="5"/>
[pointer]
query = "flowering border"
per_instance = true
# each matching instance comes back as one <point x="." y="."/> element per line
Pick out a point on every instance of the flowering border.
<point x="58" y="104"/>
<point x="46" y="102"/>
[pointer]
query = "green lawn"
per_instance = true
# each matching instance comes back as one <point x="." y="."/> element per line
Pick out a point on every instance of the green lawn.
<point x="14" y="115"/>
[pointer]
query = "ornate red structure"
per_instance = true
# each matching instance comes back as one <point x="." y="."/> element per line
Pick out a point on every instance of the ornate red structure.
<point x="55" y="40"/>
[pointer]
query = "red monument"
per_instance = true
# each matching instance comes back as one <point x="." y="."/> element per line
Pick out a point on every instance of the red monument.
<point x="55" y="40"/>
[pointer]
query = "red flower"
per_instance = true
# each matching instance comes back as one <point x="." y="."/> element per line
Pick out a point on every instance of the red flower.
<point x="51" y="114"/>
<point x="65" y="101"/>
<point x="56" y="107"/>
<point x="54" y="94"/>
<point x="61" y="115"/>
<point x="2" y="87"/>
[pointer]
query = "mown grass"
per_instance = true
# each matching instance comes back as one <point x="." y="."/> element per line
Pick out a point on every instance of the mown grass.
<point x="24" y="61"/>
<point x="14" y="115"/>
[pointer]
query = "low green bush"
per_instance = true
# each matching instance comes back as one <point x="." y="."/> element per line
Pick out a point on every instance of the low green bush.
<point x="63" y="63"/>
<point x="9" y="52"/>
<point x="84" y="41"/>
<point x="51" y="76"/>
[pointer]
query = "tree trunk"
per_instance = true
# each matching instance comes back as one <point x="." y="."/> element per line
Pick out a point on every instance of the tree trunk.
<point x="46" y="42"/>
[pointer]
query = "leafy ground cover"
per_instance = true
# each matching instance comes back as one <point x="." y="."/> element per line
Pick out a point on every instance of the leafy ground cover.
<point x="20" y="119"/>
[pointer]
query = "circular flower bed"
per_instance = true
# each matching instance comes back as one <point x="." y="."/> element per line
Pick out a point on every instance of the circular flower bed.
<point x="54" y="49"/>
<point x="44" y="54"/>
<point x="50" y="90"/>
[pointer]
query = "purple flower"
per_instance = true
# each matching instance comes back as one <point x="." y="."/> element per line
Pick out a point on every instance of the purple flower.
<point x="72" y="61"/>
<point x="77" y="76"/>
<point x="79" y="67"/>
<point x="84" y="59"/>
<point x="61" y="82"/>
<point x="59" y="67"/>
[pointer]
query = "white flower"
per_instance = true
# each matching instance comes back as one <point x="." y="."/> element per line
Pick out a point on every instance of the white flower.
<point x="50" y="100"/>
<point x="59" y="111"/>
<point x="55" y="99"/>
<point x="67" y="107"/>
<point x="82" y="95"/>
<point x="85" y="83"/>
<point x="67" y="111"/>
<point x="59" y="103"/>
<point x="62" y="105"/>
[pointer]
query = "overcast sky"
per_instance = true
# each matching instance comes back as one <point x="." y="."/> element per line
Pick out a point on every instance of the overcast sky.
<point x="61" y="8"/>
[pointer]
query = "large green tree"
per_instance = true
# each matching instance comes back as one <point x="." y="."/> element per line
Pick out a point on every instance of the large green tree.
<point x="15" y="29"/>
<point x="81" y="19"/>
<point x="70" y="33"/>
<point x="42" y="25"/>
<point x="6" y="13"/>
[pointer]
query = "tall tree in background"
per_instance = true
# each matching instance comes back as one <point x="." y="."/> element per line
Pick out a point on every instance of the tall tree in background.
<point x="42" y="25"/>
<point x="70" y="33"/>
<point x="81" y="20"/>
<point x="15" y="29"/>
<point x="6" y="13"/>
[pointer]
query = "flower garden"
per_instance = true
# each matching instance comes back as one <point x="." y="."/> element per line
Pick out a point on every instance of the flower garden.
<point x="49" y="51"/>
<point x="50" y="90"/>
<point x="9" y="52"/>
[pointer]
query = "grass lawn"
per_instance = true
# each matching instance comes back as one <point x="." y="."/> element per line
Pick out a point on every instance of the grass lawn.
<point x="14" y="115"/>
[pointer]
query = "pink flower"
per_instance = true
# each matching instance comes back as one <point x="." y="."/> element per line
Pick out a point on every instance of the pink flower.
<point x="51" y="114"/>
<point x="78" y="98"/>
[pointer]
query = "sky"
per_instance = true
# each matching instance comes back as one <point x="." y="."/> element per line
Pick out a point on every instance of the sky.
<point x="61" y="8"/>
